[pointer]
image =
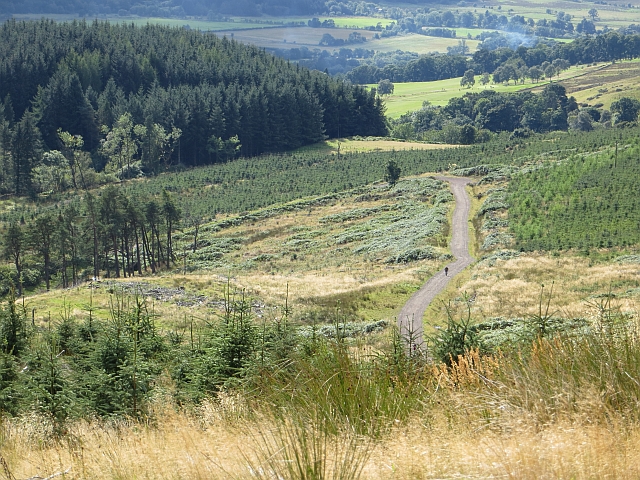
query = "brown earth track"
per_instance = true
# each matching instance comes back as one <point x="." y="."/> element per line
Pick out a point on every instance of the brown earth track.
<point x="410" y="318"/>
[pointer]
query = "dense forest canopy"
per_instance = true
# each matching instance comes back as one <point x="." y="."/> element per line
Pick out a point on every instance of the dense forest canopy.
<point x="187" y="7"/>
<point x="222" y="97"/>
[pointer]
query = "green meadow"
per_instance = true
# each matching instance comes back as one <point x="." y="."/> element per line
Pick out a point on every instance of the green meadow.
<point x="410" y="96"/>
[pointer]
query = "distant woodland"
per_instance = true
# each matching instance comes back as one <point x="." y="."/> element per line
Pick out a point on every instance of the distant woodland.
<point x="182" y="7"/>
<point x="150" y="96"/>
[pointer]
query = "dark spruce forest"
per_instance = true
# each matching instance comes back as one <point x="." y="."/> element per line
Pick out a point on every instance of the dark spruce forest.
<point x="211" y="97"/>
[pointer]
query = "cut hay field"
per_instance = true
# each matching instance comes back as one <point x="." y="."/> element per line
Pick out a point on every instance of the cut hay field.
<point x="351" y="145"/>
<point x="420" y="44"/>
<point x="410" y="96"/>
<point x="341" y="22"/>
<point x="293" y="37"/>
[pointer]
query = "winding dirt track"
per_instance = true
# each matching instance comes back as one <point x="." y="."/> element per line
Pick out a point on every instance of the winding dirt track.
<point x="410" y="318"/>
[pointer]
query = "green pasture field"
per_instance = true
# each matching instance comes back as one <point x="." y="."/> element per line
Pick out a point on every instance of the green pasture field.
<point x="292" y="37"/>
<point x="464" y="32"/>
<point x="610" y="15"/>
<point x="410" y="96"/>
<point x="420" y="44"/>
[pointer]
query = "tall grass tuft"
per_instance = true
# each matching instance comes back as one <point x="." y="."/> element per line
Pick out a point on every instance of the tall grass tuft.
<point x="303" y="449"/>
<point x="346" y="388"/>
<point x="592" y="378"/>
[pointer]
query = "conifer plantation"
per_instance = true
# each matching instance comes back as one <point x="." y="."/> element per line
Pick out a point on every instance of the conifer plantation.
<point x="223" y="97"/>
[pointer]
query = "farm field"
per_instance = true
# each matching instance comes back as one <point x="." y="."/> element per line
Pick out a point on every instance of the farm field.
<point x="342" y="21"/>
<point x="420" y="44"/>
<point x="292" y="37"/>
<point x="410" y="96"/>
<point x="270" y="32"/>
<point x="462" y="32"/>
<point x="611" y="16"/>
<point x="349" y="145"/>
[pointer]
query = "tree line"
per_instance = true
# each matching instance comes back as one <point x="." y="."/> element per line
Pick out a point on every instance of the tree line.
<point x="601" y="48"/>
<point x="82" y="78"/>
<point x="466" y="119"/>
<point x="110" y="235"/>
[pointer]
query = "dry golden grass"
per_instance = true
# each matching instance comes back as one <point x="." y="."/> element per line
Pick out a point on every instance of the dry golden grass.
<point x="183" y="446"/>
<point x="606" y="83"/>
<point x="327" y="283"/>
<point x="348" y="145"/>
<point x="556" y="451"/>
<point x="319" y="269"/>
<point x="512" y="288"/>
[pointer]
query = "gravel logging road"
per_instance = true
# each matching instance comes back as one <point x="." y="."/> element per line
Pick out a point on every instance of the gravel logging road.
<point x="410" y="318"/>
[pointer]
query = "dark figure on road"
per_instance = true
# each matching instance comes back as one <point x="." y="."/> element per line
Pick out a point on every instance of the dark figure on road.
<point x="446" y="271"/>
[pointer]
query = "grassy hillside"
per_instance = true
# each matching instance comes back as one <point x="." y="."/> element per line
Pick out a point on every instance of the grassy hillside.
<point x="206" y="374"/>
<point x="337" y="237"/>
<point x="607" y="84"/>
<point x="581" y="81"/>
<point x="245" y="185"/>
